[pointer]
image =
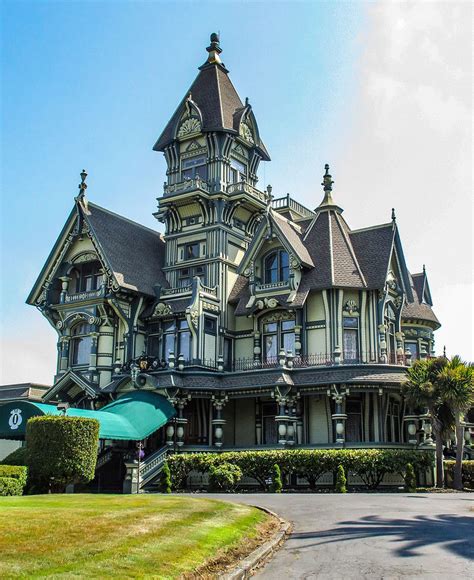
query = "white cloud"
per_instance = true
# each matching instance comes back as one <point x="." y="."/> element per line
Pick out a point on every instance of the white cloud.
<point x="410" y="148"/>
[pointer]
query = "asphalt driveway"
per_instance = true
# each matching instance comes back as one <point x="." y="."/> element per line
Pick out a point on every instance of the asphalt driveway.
<point x="372" y="536"/>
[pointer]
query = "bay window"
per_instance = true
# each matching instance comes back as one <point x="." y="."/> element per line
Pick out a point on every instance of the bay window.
<point x="194" y="166"/>
<point x="81" y="343"/>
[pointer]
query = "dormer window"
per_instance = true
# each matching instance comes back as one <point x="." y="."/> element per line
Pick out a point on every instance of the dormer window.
<point x="276" y="267"/>
<point x="194" y="166"/>
<point x="87" y="277"/>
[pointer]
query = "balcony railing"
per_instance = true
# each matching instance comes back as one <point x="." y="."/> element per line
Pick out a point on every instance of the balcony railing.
<point x="244" y="187"/>
<point x="296" y="362"/>
<point x="79" y="296"/>
<point x="186" y="185"/>
<point x="288" y="202"/>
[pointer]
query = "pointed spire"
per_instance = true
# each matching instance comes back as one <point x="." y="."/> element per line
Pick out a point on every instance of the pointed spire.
<point x="327" y="184"/>
<point x="394" y="219"/>
<point x="424" y="269"/>
<point x="214" y="50"/>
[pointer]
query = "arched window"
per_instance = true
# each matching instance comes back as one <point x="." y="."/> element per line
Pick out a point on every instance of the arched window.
<point x="81" y="343"/>
<point x="390" y="322"/>
<point x="276" y="267"/>
<point x="277" y="335"/>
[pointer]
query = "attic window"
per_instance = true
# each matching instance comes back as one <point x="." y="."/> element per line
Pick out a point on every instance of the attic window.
<point x="87" y="277"/>
<point x="276" y="267"/>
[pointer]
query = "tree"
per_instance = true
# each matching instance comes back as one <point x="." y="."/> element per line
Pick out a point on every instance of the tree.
<point x="410" y="479"/>
<point x="165" y="479"/>
<point x="341" y="480"/>
<point x="61" y="450"/>
<point x="456" y="384"/>
<point x="277" y="485"/>
<point x="423" y="389"/>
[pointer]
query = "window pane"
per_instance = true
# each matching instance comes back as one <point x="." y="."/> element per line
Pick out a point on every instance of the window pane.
<point x="168" y="345"/>
<point x="270" y="327"/>
<point x="191" y="251"/>
<point x="183" y="324"/>
<point x="168" y="325"/>
<point x="200" y="160"/>
<point x="413" y="348"/>
<point x="287" y="324"/>
<point x="154" y="346"/>
<point x="81" y="350"/>
<point x="185" y="345"/>
<point x="210" y="325"/>
<point x="270" y="346"/>
<point x="240" y="167"/>
<point x="350" y="322"/>
<point x="350" y="344"/>
<point x="289" y="342"/>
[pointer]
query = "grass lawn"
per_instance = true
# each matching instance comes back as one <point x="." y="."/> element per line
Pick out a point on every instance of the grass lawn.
<point x="122" y="536"/>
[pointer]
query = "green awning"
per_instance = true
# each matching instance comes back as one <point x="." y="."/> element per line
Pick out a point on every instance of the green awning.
<point x="132" y="416"/>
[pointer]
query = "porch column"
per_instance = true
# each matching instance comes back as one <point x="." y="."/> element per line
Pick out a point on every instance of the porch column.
<point x="339" y="417"/>
<point x="64" y="346"/>
<point x="258" y="422"/>
<point x="218" y="422"/>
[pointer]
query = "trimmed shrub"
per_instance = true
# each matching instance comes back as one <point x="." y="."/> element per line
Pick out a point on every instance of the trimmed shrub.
<point x="224" y="477"/>
<point x="10" y="486"/>
<point x="17" y="472"/>
<point x="341" y="480"/>
<point x="61" y="451"/>
<point x="370" y="464"/>
<point x="17" y="457"/>
<point x="410" y="479"/>
<point x="165" y="479"/>
<point x="467" y="472"/>
<point x="276" y="485"/>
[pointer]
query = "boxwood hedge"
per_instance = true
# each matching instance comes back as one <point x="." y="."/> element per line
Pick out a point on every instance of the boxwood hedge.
<point x="12" y="479"/>
<point x="61" y="451"/>
<point x="467" y="472"/>
<point x="371" y="465"/>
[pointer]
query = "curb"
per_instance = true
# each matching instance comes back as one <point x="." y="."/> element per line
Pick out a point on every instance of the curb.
<point x="245" y="567"/>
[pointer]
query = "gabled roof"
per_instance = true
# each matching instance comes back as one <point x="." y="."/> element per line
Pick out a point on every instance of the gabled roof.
<point x="335" y="261"/>
<point x="422" y="288"/>
<point x="373" y="247"/>
<point x="219" y="104"/>
<point x="417" y="309"/>
<point x="134" y="252"/>
<point x="292" y="233"/>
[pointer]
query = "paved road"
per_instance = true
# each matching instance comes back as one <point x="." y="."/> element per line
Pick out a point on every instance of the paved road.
<point x="372" y="536"/>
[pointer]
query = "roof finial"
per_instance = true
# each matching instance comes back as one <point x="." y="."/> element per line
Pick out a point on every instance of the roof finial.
<point x="394" y="219"/>
<point x="214" y="49"/>
<point x="81" y="198"/>
<point x="424" y="269"/>
<point x="444" y="352"/>
<point x="327" y="186"/>
<point x="83" y="185"/>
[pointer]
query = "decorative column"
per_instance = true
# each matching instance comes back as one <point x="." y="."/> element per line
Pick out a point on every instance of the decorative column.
<point x="412" y="428"/>
<point x="93" y="358"/>
<point x="258" y="422"/>
<point x="132" y="481"/>
<point x="339" y="417"/>
<point x="180" y="422"/>
<point x="218" y="422"/>
<point x="399" y="336"/>
<point x="427" y="430"/>
<point x="64" y="353"/>
<point x="281" y="418"/>
<point x="299" y="422"/>
<point x="64" y="288"/>
<point x="337" y="355"/>
<point x="175" y="433"/>
<point x="383" y="343"/>
<point x="256" y="347"/>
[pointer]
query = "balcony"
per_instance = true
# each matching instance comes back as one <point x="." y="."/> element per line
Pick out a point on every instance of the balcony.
<point x="83" y="296"/>
<point x="286" y="361"/>
<point x="244" y="187"/>
<point x="288" y="203"/>
<point x="185" y="186"/>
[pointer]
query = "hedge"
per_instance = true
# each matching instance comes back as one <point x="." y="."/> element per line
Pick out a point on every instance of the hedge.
<point x="16" y="472"/>
<point x="10" y="486"/>
<point x="17" y="457"/>
<point x="371" y="465"/>
<point x="61" y="451"/>
<point x="467" y="472"/>
<point x="12" y="479"/>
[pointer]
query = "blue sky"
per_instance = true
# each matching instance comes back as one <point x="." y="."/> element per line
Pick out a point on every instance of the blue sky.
<point x="91" y="85"/>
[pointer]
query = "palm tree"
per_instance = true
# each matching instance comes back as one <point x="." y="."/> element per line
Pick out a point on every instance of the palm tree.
<point x="422" y="389"/>
<point x="456" y="384"/>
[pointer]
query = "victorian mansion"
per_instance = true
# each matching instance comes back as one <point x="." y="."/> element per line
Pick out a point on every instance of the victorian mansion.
<point x="263" y="322"/>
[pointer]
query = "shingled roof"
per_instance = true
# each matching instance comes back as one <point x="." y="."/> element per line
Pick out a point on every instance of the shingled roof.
<point x="218" y="102"/>
<point x="417" y="309"/>
<point x="134" y="252"/>
<point x="373" y="247"/>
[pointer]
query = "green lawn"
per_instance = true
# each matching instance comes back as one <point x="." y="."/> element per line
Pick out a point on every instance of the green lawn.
<point x="99" y="536"/>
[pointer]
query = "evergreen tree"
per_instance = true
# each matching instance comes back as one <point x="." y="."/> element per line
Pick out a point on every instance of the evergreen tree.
<point x="277" y="485"/>
<point x="410" y="479"/>
<point x="165" y="479"/>
<point x="341" y="480"/>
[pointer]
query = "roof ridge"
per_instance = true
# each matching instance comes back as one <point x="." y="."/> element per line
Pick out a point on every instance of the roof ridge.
<point x="371" y="228"/>
<point x="351" y="249"/>
<point x="99" y="207"/>
<point x="220" y="94"/>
